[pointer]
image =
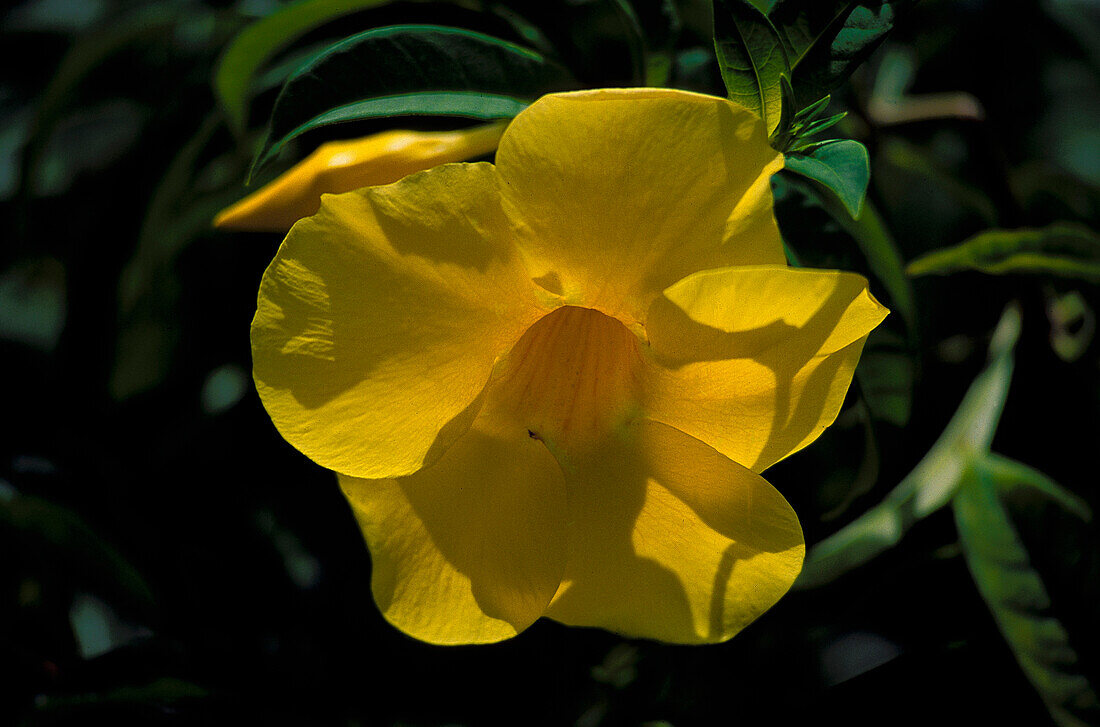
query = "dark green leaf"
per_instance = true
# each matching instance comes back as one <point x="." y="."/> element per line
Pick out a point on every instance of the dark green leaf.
<point x="1063" y="249"/>
<point x="825" y="40"/>
<point x="842" y="167"/>
<point x="469" y="105"/>
<point x="885" y="375"/>
<point x="32" y="303"/>
<point x="408" y="61"/>
<point x="784" y="132"/>
<point x="73" y="549"/>
<point x="257" y="43"/>
<point x="751" y="58"/>
<point x="934" y="480"/>
<point x="1018" y="598"/>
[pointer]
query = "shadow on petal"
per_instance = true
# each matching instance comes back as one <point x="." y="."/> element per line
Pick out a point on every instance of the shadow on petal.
<point x="470" y="549"/>
<point x="668" y="539"/>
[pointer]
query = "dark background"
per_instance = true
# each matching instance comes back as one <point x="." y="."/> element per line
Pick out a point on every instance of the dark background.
<point x="166" y="558"/>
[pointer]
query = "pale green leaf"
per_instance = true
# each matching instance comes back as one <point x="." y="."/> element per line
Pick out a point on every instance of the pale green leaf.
<point x="1063" y="249"/>
<point x="1018" y="598"/>
<point x="934" y="480"/>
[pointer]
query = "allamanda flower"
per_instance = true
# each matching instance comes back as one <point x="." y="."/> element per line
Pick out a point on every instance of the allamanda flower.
<point x="548" y="386"/>
<point x="341" y="166"/>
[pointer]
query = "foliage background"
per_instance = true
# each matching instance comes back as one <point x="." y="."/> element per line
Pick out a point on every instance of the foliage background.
<point x="168" y="559"/>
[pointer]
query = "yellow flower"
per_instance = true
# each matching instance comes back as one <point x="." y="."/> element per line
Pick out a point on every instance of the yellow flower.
<point x="548" y="385"/>
<point x="341" y="166"/>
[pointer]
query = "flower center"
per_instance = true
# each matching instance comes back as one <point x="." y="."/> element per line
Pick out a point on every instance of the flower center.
<point x="572" y="379"/>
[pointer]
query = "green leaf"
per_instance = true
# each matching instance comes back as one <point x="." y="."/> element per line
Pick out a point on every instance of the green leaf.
<point x="410" y="61"/>
<point x="825" y="40"/>
<point x="1063" y="249"/>
<point x="934" y="480"/>
<point x="842" y="167"/>
<point x="784" y="133"/>
<point x="469" y="105"/>
<point x="751" y="58"/>
<point x="1016" y="480"/>
<point x="257" y="43"/>
<point x="1018" y="598"/>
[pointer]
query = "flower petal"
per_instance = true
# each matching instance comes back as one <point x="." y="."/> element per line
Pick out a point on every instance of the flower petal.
<point x="618" y="193"/>
<point x="471" y="549"/>
<point x="342" y="166"/>
<point x="380" y="319"/>
<point x="756" y="361"/>
<point x="670" y="540"/>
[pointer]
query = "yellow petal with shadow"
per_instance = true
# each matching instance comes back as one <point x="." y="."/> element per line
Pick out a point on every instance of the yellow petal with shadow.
<point x="616" y="194"/>
<point x="343" y="166"/>
<point x="380" y="320"/>
<point x="471" y="549"/>
<point x="668" y="539"/>
<point x="756" y="361"/>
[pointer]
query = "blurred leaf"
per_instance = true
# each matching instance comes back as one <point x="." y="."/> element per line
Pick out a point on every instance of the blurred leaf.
<point x="88" y="140"/>
<point x="407" y="62"/>
<point x="886" y="374"/>
<point x="469" y="105"/>
<point x="163" y="692"/>
<point x="1072" y="325"/>
<point x="61" y="16"/>
<point x="223" y="388"/>
<point x="1015" y="480"/>
<point x="261" y="40"/>
<point x="919" y="168"/>
<point x="842" y="167"/>
<point x="1016" y="595"/>
<point x="751" y="58"/>
<point x="1064" y="249"/>
<point x="147" y="288"/>
<point x="45" y="529"/>
<point x="86" y="54"/>
<point x="98" y="629"/>
<point x="15" y="126"/>
<point x="825" y="40"/>
<point x="32" y="303"/>
<point x="933" y="482"/>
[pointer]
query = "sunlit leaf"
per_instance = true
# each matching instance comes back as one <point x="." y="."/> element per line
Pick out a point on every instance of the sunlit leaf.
<point x="407" y="62"/>
<point x="825" y="40"/>
<point x="842" y="167"/>
<point x="751" y="58"/>
<point x="1063" y="249"/>
<point x="1018" y="598"/>
<point x="934" y="480"/>
<point x="257" y="43"/>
